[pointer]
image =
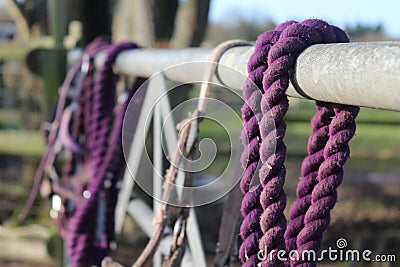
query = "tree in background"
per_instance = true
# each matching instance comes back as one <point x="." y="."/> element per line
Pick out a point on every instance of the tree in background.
<point x="241" y="28"/>
<point x="161" y="23"/>
<point x="364" y="33"/>
<point x="361" y="29"/>
<point x="152" y="23"/>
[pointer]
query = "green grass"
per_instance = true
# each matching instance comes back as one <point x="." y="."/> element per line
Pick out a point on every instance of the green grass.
<point x="377" y="143"/>
<point x="13" y="189"/>
<point x="371" y="140"/>
<point x="375" y="146"/>
<point x="303" y="111"/>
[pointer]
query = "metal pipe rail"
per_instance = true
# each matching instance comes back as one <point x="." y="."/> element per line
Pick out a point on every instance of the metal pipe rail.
<point x="363" y="74"/>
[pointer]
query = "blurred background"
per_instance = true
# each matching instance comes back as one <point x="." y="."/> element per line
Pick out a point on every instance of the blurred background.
<point x="36" y="40"/>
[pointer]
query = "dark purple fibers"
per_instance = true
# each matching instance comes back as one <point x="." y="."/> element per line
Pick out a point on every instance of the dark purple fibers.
<point x="322" y="170"/>
<point x="251" y="113"/>
<point x="83" y="98"/>
<point x="80" y="122"/>
<point x="117" y="164"/>
<point x="103" y="140"/>
<point x="96" y="126"/>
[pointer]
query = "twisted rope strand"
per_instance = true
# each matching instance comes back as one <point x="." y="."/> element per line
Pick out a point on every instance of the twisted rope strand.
<point x="316" y="143"/>
<point x="80" y="133"/>
<point x="309" y="169"/>
<point x="250" y="230"/>
<point x="330" y="176"/>
<point x="325" y="145"/>
<point x="104" y="145"/>
<point x="274" y="105"/>
<point x="251" y="113"/>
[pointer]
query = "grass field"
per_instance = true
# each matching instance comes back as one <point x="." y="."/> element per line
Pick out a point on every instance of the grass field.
<point x="376" y="145"/>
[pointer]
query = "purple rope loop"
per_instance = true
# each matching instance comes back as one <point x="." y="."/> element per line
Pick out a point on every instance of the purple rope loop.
<point x="251" y="138"/>
<point x="322" y="170"/>
<point x="105" y="164"/>
<point x="95" y="163"/>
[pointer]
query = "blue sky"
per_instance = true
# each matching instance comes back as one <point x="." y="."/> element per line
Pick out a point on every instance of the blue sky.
<point x="338" y="12"/>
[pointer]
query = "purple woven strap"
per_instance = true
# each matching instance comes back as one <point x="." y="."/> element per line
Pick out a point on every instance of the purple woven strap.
<point x="322" y="170"/>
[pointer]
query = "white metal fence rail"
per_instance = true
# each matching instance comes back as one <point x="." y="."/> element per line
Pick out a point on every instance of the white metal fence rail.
<point x="364" y="74"/>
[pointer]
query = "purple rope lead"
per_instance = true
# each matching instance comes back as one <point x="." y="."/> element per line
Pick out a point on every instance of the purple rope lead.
<point x="328" y="150"/>
<point x="88" y="184"/>
<point x="106" y="161"/>
<point x="330" y="176"/>
<point x="251" y="112"/>
<point x="316" y="144"/>
<point x="251" y="210"/>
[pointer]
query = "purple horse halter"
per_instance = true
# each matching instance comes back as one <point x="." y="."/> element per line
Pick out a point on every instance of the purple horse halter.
<point x="101" y="130"/>
<point x="264" y="227"/>
<point x="90" y="131"/>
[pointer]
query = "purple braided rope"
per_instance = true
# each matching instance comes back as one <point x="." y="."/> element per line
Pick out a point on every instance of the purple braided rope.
<point x="251" y="208"/>
<point x="317" y="141"/>
<point x="84" y="100"/>
<point x="250" y="230"/>
<point x="80" y="122"/>
<point x="104" y="145"/>
<point x="117" y="167"/>
<point x="310" y="165"/>
<point x="314" y="162"/>
<point x="251" y="139"/>
<point x="330" y="176"/>
<point x="307" y="219"/>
